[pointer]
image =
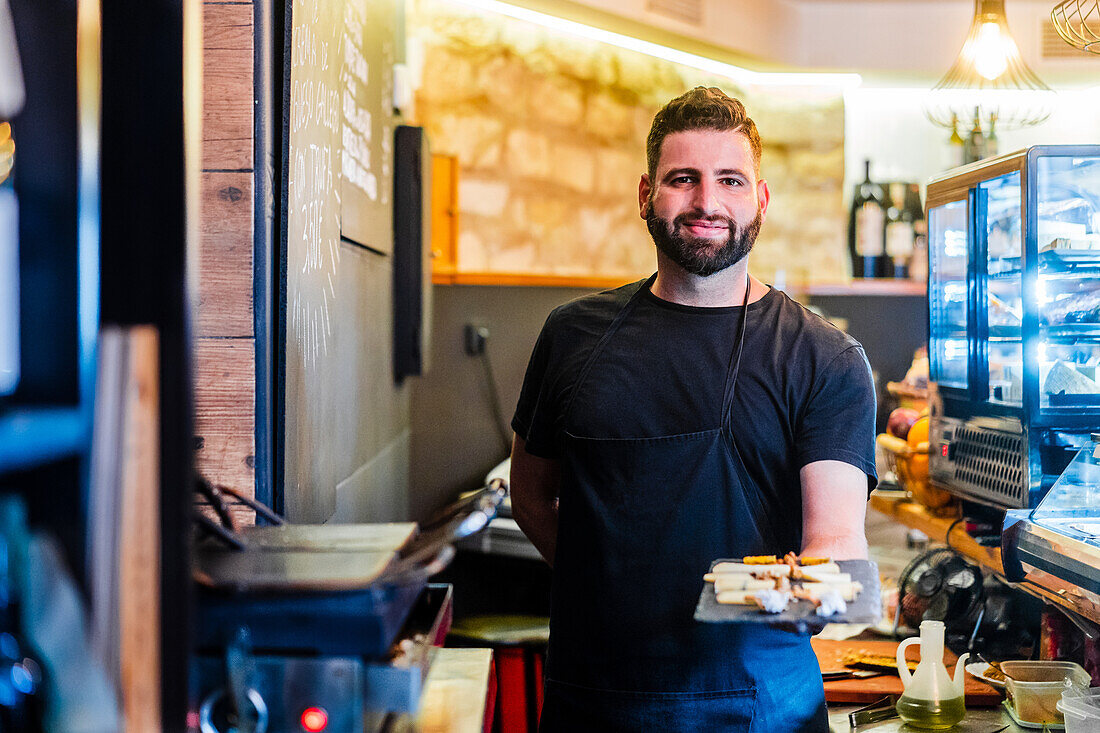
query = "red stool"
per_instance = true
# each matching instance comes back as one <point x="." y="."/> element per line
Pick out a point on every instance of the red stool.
<point x="519" y="649"/>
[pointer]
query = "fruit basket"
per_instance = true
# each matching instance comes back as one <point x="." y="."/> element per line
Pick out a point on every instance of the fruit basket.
<point x="908" y="458"/>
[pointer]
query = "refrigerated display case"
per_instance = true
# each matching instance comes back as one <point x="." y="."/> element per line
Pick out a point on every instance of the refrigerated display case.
<point x="1061" y="537"/>
<point x="1014" y="321"/>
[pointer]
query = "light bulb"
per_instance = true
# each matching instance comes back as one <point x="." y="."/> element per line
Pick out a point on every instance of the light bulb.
<point x="990" y="51"/>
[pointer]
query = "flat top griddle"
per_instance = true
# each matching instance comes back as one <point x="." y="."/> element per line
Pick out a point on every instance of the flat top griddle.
<point x="302" y="558"/>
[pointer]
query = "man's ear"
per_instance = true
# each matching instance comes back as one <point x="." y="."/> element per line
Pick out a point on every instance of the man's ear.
<point x="644" y="189"/>
<point x="764" y="197"/>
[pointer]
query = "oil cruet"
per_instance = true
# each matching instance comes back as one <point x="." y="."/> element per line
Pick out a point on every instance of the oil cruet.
<point x="931" y="699"/>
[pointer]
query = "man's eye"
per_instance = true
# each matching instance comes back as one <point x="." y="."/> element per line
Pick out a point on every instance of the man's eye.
<point x="732" y="181"/>
<point x="679" y="180"/>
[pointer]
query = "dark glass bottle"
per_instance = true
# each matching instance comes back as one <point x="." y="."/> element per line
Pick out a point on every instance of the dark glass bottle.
<point x="991" y="141"/>
<point x="975" y="143"/>
<point x="867" y="228"/>
<point x="918" y="262"/>
<point x="899" y="232"/>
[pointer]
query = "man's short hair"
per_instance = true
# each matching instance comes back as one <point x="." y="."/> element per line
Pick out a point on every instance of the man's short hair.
<point x="703" y="108"/>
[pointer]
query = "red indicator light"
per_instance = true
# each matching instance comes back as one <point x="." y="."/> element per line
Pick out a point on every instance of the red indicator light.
<point x="314" y="720"/>
<point x="943" y="450"/>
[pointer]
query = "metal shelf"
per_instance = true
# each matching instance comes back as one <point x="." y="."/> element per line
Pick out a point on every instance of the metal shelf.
<point x="31" y="437"/>
<point x="1041" y="585"/>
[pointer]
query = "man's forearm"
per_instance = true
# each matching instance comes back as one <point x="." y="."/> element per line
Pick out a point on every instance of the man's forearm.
<point x="837" y="547"/>
<point x="539" y="521"/>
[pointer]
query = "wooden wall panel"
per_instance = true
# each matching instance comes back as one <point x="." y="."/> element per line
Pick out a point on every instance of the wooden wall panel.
<point x="227" y="87"/>
<point x="225" y="259"/>
<point x="139" y="539"/>
<point x="225" y="366"/>
<point x="225" y="407"/>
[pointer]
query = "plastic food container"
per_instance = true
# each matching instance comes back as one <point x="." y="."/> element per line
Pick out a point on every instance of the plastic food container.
<point x="1081" y="710"/>
<point x="1035" y="688"/>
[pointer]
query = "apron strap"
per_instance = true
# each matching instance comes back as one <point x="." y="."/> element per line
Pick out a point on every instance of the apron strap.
<point x="611" y="329"/>
<point x="731" y="371"/>
<point x="735" y="357"/>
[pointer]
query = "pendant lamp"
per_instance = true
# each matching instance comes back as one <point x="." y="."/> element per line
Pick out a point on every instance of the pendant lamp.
<point x="1078" y="23"/>
<point x="989" y="75"/>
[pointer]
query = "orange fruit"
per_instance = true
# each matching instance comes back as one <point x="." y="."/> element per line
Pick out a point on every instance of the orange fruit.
<point x="918" y="433"/>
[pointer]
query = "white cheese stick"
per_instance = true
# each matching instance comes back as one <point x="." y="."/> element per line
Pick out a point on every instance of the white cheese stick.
<point x="848" y="591"/>
<point x="743" y="569"/>
<point x="742" y="582"/>
<point x="737" y="597"/>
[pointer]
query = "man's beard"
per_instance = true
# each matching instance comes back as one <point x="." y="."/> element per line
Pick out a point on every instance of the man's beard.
<point x="700" y="255"/>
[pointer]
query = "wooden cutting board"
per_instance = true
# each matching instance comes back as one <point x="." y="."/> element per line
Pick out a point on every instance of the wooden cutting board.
<point x="852" y="690"/>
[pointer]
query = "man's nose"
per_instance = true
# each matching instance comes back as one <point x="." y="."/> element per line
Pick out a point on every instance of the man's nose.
<point x="706" y="197"/>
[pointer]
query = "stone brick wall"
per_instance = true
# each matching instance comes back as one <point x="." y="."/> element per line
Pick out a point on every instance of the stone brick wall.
<point x="550" y="135"/>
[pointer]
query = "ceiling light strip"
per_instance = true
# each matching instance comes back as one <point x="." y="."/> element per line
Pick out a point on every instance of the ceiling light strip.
<point x="736" y="73"/>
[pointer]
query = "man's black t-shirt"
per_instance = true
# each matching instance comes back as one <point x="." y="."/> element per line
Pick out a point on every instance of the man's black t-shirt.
<point x="804" y="391"/>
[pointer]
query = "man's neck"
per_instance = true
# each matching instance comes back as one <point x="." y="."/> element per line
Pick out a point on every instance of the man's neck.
<point x="724" y="288"/>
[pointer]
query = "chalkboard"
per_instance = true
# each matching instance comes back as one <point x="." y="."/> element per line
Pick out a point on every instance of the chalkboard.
<point x="341" y="411"/>
<point x="367" y="104"/>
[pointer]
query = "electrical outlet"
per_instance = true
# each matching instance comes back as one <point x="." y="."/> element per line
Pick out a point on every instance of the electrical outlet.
<point x="476" y="336"/>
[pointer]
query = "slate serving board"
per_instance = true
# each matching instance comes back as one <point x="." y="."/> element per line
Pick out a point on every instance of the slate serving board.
<point x="799" y="615"/>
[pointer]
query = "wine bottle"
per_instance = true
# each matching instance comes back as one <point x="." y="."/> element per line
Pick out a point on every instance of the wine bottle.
<point x="899" y="232"/>
<point x="991" y="140"/>
<point x="956" y="145"/>
<point x="867" y="228"/>
<point x="918" y="261"/>
<point x="975" y="143"/>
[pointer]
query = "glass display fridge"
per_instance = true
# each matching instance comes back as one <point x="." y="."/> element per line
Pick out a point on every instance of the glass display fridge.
<point x="1057" y="544"/>
<point x="1014" y="321"/>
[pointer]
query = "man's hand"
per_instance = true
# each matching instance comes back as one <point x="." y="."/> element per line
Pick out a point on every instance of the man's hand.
<point x="834" y="510"/>
<point x="534" y="485"/>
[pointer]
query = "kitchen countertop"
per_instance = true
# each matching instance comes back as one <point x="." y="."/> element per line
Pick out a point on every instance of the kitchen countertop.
<point x="977" y="720"/>
<point x="454" y="694"/>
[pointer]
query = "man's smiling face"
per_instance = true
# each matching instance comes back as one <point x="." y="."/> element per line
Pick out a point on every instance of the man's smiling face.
<point x="705" y="204"/>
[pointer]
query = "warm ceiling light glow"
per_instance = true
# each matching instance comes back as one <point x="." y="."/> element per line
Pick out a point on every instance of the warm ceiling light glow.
<point x="991" y="51"/>
<point x="736" y="73"/>
<point x="988" y="74"/>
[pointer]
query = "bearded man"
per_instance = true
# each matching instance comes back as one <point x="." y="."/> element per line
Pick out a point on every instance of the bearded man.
<point x="695" y="415"/>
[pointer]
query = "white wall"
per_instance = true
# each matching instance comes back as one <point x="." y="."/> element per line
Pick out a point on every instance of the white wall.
<point x="920" y="39"/>
<point x="883" y="37"/>
<point x="914" y="40"/>
<point x="767" y="30"/>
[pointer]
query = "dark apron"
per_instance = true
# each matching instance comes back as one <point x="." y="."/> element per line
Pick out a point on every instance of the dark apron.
<point x="640" y="520"/>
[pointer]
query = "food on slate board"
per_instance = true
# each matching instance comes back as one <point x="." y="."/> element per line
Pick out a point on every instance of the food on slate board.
<point x="764" y="581"/>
